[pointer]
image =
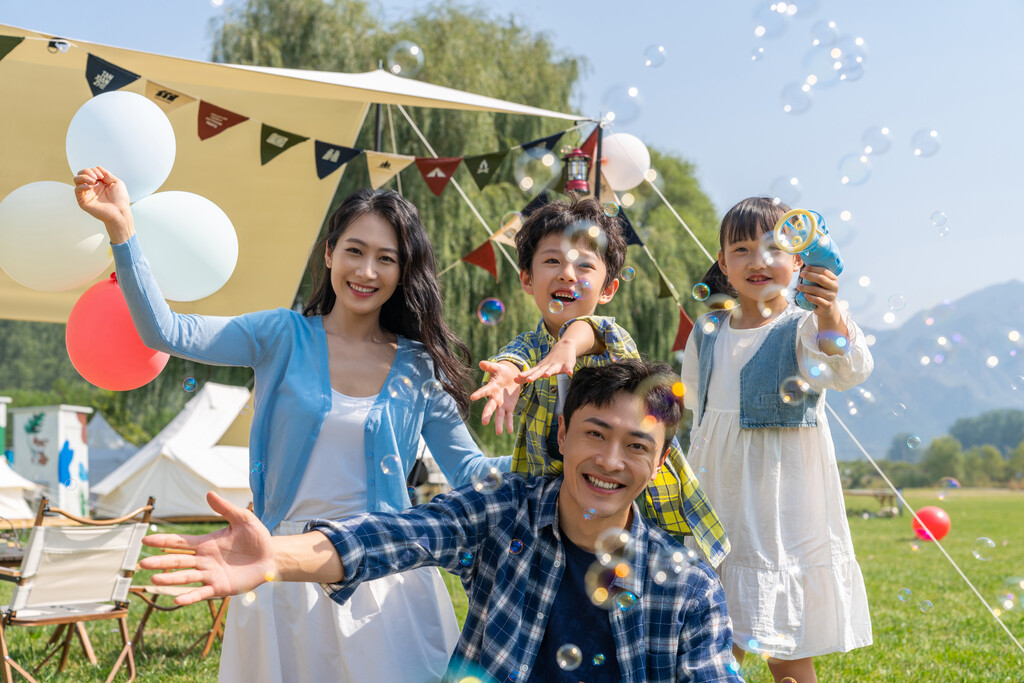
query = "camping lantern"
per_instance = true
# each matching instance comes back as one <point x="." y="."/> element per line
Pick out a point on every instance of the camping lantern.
<point x="576" y="171"/>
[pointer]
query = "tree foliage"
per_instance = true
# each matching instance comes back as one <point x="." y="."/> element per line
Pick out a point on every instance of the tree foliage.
<point x="1003" y="429"/>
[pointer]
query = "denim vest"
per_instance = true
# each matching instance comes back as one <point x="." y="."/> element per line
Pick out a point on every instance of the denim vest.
<point x="761" y="406"/>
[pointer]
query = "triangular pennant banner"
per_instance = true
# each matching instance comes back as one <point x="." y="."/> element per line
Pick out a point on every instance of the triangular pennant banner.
<point x="329" y="158"/>
<point x="666" y="290"/>
<point x="437" y="171"/>
<point x="547" y="143"/>
<point x="273" y="141"/>
<point x="484" y="166"/>
<point x="589" y="147"/>
<point x="628" y="231"/>
<point x="106" y="77"/>
<point x="383" y="167"/>
<point x="685" y="327"/>
<point x="167" y="98"/>
<point x="483" y="256"/>
<point x="8" y="43"/>
<point x="214" y="120"/>
<point x="507" y="233"/>
<point x="535" y="203"/>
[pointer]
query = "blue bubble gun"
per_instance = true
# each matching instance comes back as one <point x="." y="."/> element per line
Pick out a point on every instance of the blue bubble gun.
<point x="803" y="233"/>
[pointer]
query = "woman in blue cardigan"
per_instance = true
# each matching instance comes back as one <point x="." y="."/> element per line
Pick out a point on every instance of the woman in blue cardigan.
<point x="343" y="392"/>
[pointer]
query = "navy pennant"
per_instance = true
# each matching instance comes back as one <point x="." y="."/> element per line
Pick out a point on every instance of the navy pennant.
<point x="329" y="158"/>
<point x="537" y="202"/>
<point x="547" y="143"/>
<point x="106" y="77"/>
<point x="8" y="43"/>
<point x="628" y="231"/>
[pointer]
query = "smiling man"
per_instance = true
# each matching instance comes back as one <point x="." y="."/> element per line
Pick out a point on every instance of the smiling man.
<point x="566" y="579"/>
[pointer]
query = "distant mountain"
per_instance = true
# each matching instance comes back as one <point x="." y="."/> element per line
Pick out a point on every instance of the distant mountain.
<point x="958" y="359"/>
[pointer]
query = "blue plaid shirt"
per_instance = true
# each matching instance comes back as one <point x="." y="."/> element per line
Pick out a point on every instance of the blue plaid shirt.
<point x="507" y="548"/>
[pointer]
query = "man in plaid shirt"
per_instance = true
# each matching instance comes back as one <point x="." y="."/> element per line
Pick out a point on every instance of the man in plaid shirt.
<point x="570" y="254"/>
<point x="558" y="591"/>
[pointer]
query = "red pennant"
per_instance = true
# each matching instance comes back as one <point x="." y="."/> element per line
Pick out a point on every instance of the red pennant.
<point x="685" y="327"/>
<point x="214" y="120"/>
<point x="483" y="256"/>
<point x="437" y="172"/>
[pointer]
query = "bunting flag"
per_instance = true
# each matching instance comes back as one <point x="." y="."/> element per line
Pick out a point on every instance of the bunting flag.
<point x="329" y="158"/>
<point x="8" y="43"/>
<point x="437" y="171"/>
<point x="589" y="147"/>
<point x="685" y="327"/>
<point x="667" y="289"/>
<point x="214" y="120"/>
<point x="535" y="203"/>
<point x="273" y="141"/>
<point x="383" y="167"/>
<point x="168" y="99"/>
<point x="507" y="233"/>
<point x="628" y="231"/>
<point x="103" y="76"/>
<point x="483" y="167"/>
<point x="547" y="143"/>
<point x="483" y="256"/>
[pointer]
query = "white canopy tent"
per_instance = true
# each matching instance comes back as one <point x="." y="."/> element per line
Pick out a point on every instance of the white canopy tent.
<point x="204" y="448"/>
<point x="13" y="490"/>
<point x="108" y="450"/>
<point x="277" y="209"/>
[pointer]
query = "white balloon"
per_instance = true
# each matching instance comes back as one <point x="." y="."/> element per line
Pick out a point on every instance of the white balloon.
<point x="624" y="161"/>
<point x="190" y="243"/>
<point x="128" y="135"/>
<point x="47" y="242"/>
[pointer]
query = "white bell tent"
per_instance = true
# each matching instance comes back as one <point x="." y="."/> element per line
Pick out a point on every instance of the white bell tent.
<point x="13" y="489"/>
<point x="108" y="450"/>
<point x="204" y="448"/>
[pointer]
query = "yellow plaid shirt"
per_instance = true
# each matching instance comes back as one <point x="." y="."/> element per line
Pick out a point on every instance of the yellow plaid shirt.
<point x="674" y="500"/>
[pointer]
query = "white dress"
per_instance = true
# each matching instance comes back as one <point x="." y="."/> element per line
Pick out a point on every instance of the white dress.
<point x="399" y="629"/>
<point x="792" y="584"/>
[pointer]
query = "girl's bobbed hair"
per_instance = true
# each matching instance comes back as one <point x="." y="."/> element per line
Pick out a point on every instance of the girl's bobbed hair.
<point x="415" y="310"/>
<point x="749" y="219"/>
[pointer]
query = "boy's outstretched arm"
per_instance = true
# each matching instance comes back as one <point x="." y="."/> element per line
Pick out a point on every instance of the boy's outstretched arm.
<point x="501" y="392"/>
<point x="578" y="340"/>
<point x="241" y="557"/>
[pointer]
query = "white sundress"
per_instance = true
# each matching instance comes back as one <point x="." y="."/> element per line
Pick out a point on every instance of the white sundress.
<point x="792" y="584"/>
<point x="400" y="629"/>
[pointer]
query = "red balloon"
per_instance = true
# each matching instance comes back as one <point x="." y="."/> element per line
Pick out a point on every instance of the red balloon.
<point x="937" y="522"/>
<point x="103" y="344"/>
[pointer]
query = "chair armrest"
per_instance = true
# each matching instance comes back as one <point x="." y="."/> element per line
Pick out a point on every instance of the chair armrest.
<point x="9" y="574"/>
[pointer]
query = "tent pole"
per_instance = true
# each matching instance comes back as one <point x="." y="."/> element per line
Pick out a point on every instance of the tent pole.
<point x="597" y="162"/>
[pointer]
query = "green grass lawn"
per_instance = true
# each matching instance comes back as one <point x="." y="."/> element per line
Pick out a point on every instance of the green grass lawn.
<point x="956" y="640"/>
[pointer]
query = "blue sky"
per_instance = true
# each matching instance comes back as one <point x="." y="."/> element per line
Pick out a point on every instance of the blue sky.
<point x="950" y="67"/>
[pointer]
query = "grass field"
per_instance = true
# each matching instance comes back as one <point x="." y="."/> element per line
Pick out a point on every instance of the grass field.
<point x="956" y="640"/>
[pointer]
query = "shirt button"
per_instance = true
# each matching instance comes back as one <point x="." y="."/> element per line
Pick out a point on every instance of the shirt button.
<point x="558" y="563"/>
<point x="540" y="615"/>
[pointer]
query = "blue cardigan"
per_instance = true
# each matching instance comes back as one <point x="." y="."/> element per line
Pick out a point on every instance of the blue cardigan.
<point x="292" y="394"/>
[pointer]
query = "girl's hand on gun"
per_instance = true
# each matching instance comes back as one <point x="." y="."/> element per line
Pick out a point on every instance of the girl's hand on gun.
<point x="502" y="394"/>
<point x="560" y="361"/>
<point x="822" y="290"/>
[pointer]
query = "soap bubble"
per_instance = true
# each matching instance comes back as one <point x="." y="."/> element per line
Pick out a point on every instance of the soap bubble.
<point x="654" y="56"/>
<point x="824" y="32"/>
<point x="795" y="98"/>
<point x="515" y="547"/>
<point x="466" y="559"/>
<point x="391" y="464"/>
<point x="490" y="311"/>
<point x="569" y="657"/>
<point x="904" y="594"/>
<point x="913" y="442"/>
<point x="701" y="291"/>
<point x="432" y="389"/>
<point x="939" y="218"/>
<point x="556" y="306"/>
<point x="983" y="548"/>
<point x="190" y="384"/>
<point x="794" y="389"/>
<point x="400" y="388"/>
<point x="925" y="143"/>
<point x="628" y="273"/>
<point x="622" y="103"/>
<point x="899" y="409"/>
<point x="626" y="601"/>
<point x="877" y="140"/>
<point x="405" y="59"/>
<point x="757" y="54"/>
<point x="854" y="169"/>
<point x="785" y="190"/>
<point x="487" y="481"/>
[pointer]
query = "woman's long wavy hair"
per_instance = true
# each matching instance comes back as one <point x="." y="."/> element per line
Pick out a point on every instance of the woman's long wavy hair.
<point x="415" y="309"/>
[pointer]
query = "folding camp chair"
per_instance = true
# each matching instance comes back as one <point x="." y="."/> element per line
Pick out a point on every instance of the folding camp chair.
<point x="70" y="575"/>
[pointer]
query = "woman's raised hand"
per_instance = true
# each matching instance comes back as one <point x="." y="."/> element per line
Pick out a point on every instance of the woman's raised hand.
<point x="103" y="195"/>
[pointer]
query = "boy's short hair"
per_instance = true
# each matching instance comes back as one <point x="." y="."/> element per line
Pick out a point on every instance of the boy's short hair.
<point x="651" y="382"/>
<point x="561" y="217"/>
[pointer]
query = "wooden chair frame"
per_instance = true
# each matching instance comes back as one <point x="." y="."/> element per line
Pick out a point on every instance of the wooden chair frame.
<point x="71" y="625"/>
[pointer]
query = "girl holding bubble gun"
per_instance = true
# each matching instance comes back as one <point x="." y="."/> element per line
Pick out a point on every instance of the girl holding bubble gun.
<point x="755" y="378"/>
<point x="343" y="393"/>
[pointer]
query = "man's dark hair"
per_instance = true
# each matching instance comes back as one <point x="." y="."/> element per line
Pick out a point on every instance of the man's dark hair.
<point x="574" y="218"/>
<point x="651" y="382"/>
